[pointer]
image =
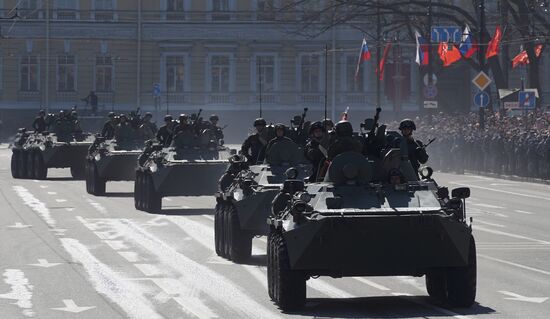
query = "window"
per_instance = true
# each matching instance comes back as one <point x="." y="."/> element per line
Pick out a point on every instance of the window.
<point x="310" y="73"/>
<point x="30" y="9"/>
<point x="175" y="73"/>
<point x="104" y="9"/>
<point x="219" y="7"/>
<point x="266" y="9"/>
<point x="220" y="74"/>
<point x="175" y="9"/>
<point x="29" y="74"/>
<point x="104" y="74"/>
<point x="354" y="84"/>
<point x="66" y="9"/>
<point x="66" y="73"/>
<point x="265" y="73"/>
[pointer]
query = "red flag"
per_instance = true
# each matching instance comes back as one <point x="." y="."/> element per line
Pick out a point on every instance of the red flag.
<point x="380" y="70"/>
<point x="494" y="45"/>
<point x="449" y="54"/>
<point x="522" y="58"/>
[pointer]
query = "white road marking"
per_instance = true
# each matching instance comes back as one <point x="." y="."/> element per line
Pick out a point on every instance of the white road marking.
<point x="498" y="232"/>
<point x="130" y="256"/>
<point x="126" y="294"/>
<point x="100" y="208"/>
<point x="70" y="306"/>
<point x="116" y="244"/>
<point x="21" y="290"/>
<point x="428" y="305"/>
<point x="487" y="205"/>
<point x="52" y="193"/>
<point x="44" y="264"/>
<point x="107" y="235"/>
<point x="186" y="297"/>
<point x="36" y="205"/>
<point x="523" y="212"/>
<point x="477" y="220"/>
<point x="209" y="217"/>
<point x="372" y="284"/>
<point x="60" y="200"/>
<point x="148" y="269"/>
<point x="544" y="272"/>
<point x="517" y="297"/>
<point x="58" y="231"/>
<point x="19" y="225"/>
<point x="70" y="209"/>
<point x="501" y="191"/>
<point x="43" y="186"/>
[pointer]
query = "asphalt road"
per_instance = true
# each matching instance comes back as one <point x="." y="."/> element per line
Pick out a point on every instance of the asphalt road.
<point x="66" y="254"/>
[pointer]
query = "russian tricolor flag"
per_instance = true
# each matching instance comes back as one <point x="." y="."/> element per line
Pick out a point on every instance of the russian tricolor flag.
<point x="422" y="49"/>
<point x="467" y="47"/>
<point x="364" y="55"/>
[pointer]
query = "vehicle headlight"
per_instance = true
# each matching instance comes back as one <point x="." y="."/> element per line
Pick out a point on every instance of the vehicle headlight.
<point x="97" y="157"/>
<point x="42" y="147"/>
<point x="153" y="167"/>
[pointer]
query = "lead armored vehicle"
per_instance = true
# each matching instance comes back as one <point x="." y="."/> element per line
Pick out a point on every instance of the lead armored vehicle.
<point x="371" y="218"/>
<point x="113" y="160"/>
<point x="245" y="196"/>
<point x="33" y="153"/>
<point x="191" y="166"/>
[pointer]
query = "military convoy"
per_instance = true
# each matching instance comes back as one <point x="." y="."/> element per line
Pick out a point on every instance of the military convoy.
<point x="189" y="167"/>
<point x="33" y="153"/>
<point x="245" y="196"/>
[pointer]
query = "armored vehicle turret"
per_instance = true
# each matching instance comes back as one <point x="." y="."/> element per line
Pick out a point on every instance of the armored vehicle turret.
<point x="33" y="153"/>
<point x="191" y="166"/>
<point x="245" y="196"/>
<point x="113" y="160"/>
<point x="371" y="218"/>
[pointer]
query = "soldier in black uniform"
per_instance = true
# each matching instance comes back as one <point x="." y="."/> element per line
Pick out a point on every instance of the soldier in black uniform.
<point x="39" y="124"/>
<point x="183" y="124"/>
<point x="316" y="150"/>
<point x="214" y="120"/>
<point x="417" y="152"/>
<point x="165" y="132"/>
<point x="343" y="140"/>
<point x="280" y="135"/>
<point x="255" y="145"/>
<point x="108" y="130"/>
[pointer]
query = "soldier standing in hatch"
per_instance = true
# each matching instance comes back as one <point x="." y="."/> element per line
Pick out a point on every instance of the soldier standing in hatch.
<point x="343" y="140"/>
<point x="417" y="152"/>
<point x="148" y="128"/>
<point x="39" y="124"/>
<point x="165" y="133"/>
<point x="280" y="135"/>
<point x="214" y="120"/>
<point x="316" y="150"/>
<point x="108" y="131"/>
<point x="255" y="145"/>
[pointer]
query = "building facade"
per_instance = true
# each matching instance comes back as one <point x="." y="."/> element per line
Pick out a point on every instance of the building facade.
<point x="183" y="54"/>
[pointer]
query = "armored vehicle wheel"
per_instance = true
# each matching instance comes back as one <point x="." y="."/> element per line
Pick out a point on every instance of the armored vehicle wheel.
<point x="462" y="281"/>
<point x="218" y="229"/>
<point x="97" y="184"/>
<point x="15" y="172"/>
<point x="270" y="257"/>
<point x="225" y="232"/>
<point x="289" y="286"/>
<point x="436" y="284"/>
<point x="22" y="164"/>
<point x="30" y="165"/>
<point x="88" y="183"/>
<point x="137" y="191"/>
<point x="77" y="171"/>
<point x="40" y="169"/>
<point x="240" y="241"/>
<point x="153" y="199"/>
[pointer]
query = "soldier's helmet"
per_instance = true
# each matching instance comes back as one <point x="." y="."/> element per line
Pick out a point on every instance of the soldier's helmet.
<point x="344" y="129"/>
<point x="41" y="112"/>
<point x="74" y="113"/>
<point x="149" y="115"/>
<point x="296" y="120"/>
<point x="168" y="118"/>
<point x="214" y="117"/>
<point x="260" y="121"/>
<point x="123" y="116"/>
<point x="316" y="125"/>
<point x="111" y="115"/>
<point x="407" y="123"/>
<point x="183" y="117"/>
<point x="61" y="113"/>
<point x="327" y="123"/>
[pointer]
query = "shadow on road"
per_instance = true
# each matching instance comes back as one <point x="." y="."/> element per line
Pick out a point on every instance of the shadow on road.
<point x="187" y="212"/>
<point x="62" y="179"/>
<point x="385" y="307"/>
<point x="256" y="260"/>
<point x="120" y="194"/>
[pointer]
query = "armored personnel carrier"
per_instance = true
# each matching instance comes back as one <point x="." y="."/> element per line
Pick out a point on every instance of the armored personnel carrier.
<point x="191" y="166"/>
<point x="33" y="153"/>
<point x="113" y="160"/>
<point x="245" y="196"/>
<point x="371" y="218"/>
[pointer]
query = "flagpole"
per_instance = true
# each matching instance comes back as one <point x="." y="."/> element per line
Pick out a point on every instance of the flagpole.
<point x="481" y="55"/>
<point x="378" y="52"/>
<point x="260" y="79"/>
<point x="326" y="79"/>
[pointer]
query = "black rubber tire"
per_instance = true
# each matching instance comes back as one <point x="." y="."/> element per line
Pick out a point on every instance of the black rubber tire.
<point x="30" y="165"/>
<point x="78" y="171"/>
<point x="289" y="285"/>
<point x="39" y="167"/>
<point x="225" y="232"/>
<point x="137" y="190"/>
<point x="270" y="257"/>
<point x="88" y="177"/>
<point x="218" y="229"/>
<point x="154" y="200"/>
<point x="462" y="281"/>
<point x="436" y="285"/>
<point x="23" y="164"/>
<point x="15" y="173"/>
<point x="98" y="184"/>
<point x="240" y="247"/>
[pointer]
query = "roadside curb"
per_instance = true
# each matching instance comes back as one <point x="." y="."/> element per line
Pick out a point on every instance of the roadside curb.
<point x="511" y="177"/>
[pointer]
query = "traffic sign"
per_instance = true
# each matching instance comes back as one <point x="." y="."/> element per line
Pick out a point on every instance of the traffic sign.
<point x="446" y="34"/>
<point x="481" y="99"/>
<point x="527" y="99"/>
<point x="430" y="91"/>
<point x="156" y="89"/>
<point x="430" y="104"/>
<point x="426" y="78"/>
<point x="482" y="81"/>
